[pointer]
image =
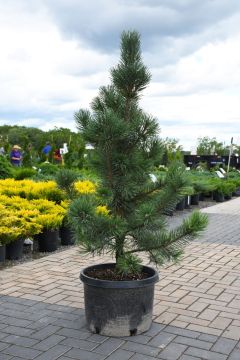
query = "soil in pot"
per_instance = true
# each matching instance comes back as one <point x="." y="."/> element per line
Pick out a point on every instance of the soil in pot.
<point x="2" y="253"/>
<point x="66" y="236"/>
<point x="48" y="240"/>
<point x="112" y="275"/>
<point x="118" y="308"/>
<point x="14" y="250"/>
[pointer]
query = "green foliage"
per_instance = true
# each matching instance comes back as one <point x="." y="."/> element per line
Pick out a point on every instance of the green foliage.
<point x="42" y="177"/>
<point x="24" y="173"/>
<point x="32" y="141"/>
<point x="6" y="170"/>
<point x="48" y="169"/>
<point x="129" y="263"/>
<point x="75" y="156"/>
<point x="126" y="150"/>
<point x="228" y="188"/>
<point x="65" y="179"/>
<point x="172" y="151"/>
<point x="210" y="146"/>
<point x="89" y="174"/>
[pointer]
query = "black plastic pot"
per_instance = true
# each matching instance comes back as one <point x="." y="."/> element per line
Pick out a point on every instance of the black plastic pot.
<point x="218" y="197"/>
<point x="2" y="253"/>
<point x="66" y="236"/>
<point x="209" y="194"/>
<point x="237" y="192"/>
<point x="227" y="197"/>
<point x="181" y="205"/>
<point x="118" y="308"/>
<point x="48" y="240"/>
<point x="14" y="250"/>
<point x="195" y="199"/>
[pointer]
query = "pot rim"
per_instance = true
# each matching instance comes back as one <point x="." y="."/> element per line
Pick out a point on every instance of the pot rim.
<point x="118" y="284"/>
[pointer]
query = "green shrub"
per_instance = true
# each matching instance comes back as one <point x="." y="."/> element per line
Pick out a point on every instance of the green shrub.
<point x="87" y="174"/>
<point x="48" y="169"/>
<point x="24" y="173"/>
<point x="55" y="195"/>
<point x="228" y="188"/>
<point x="41" y="177"/>
<point x="6" y="170"/>
<point x="65" y="179"/>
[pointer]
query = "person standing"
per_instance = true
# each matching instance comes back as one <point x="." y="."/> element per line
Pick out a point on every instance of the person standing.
<point x="46" y="150"/>
<point x="16" y="156"/>
<point x="57" y="156"/>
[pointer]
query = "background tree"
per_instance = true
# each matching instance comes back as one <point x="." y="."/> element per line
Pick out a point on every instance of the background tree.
<point x="210" y="146"/>
<point x="32" y="141"/>
<point x="173" y="151"/>
<point x="126" y="147"/>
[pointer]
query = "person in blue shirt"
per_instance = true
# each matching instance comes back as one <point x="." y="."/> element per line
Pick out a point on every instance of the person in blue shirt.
<point x="16" y="156"/>
<point x="46" y="150"/>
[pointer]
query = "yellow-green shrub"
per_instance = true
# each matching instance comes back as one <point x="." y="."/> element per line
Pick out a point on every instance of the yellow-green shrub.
<point x="85" y="187"/>
<point x="21" y="218"/>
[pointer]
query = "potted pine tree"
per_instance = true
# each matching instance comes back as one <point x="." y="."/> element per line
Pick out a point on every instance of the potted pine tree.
<point x="119" y="295"/>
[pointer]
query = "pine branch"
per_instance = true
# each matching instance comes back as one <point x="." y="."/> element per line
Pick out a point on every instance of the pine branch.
<point x="177" y="238"/>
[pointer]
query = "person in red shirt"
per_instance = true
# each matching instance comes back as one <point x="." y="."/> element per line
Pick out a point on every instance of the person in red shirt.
<point x="57" y="156"/>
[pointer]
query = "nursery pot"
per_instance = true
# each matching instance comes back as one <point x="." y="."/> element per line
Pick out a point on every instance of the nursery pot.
<point x="48" y="240"/>
<point x="209" y="194"/>
<point x="118" y="308"/>
<point x="66" y="235"/>
<point x="228" y="197"/>
<point x="14" y="250"/>
<point x="195" y="199"/>
<point x="2" y="253"/>
<point x="237" y="192"/>
<point x="218" y="196"/>
<point x="181" y="205"/>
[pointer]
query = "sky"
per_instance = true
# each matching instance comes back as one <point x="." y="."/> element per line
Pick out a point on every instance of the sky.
<point x="55" y="54"/>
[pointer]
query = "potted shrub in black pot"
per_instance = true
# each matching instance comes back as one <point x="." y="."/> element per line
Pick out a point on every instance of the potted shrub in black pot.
<point x="218" y="194"/>
<point x="50" y="219"/>
<point x="228" y="189"/>
<point x="48" y="239"/>
<point x="15" y="226"/>
<point x="200" y="186"/>
<point x="65" y="179"/>
<point x="119" y="295"/>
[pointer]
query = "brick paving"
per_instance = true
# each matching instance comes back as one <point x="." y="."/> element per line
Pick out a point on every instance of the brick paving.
<point x="196" y="310"/>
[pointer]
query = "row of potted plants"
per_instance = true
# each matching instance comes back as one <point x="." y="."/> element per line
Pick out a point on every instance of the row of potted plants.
<point x="49" y="190"/>
<point x="21" y="219"/>
<point x="26" y="215"/>
<point x="207" y="185"/>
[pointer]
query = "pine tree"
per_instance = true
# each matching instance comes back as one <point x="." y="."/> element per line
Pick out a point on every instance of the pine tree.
<point x="126" y="143"/>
